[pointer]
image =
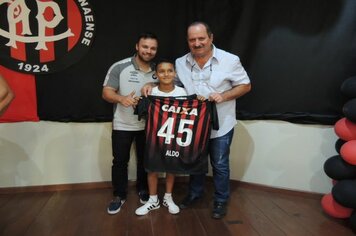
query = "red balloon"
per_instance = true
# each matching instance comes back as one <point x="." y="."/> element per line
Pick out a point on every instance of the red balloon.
<point x="348" y="152"/>
<point x="334" y="209"/>
<point x="345" y="129"/>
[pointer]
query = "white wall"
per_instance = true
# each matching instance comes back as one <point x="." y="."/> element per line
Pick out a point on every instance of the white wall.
<point x="272" y="153"/>
<point x="283" y="155"/>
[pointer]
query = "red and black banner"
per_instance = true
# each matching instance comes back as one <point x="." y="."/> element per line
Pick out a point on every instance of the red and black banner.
<point x="297" y="53"/>
<point x="37" y="38"/>
<point x="41" y="37"/>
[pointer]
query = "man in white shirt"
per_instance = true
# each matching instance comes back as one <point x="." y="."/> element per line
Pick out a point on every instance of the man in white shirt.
<point x="219" y="76"/>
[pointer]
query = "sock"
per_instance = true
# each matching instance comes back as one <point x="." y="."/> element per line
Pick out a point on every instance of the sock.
<point x="153" y="198"/>
<point x="167" y="195"/>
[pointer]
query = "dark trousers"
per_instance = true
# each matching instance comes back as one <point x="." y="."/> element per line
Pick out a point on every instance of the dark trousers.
<point x="121" y="146"/>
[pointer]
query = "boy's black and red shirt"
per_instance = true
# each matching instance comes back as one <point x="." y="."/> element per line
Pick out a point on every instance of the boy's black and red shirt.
<point x="177" y="133"/>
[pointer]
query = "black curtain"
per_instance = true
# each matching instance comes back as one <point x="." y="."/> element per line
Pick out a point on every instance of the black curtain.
<point x="296" y="52"/>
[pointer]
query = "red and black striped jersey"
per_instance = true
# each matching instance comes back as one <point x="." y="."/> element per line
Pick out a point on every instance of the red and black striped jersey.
<point x="177" y="133"/>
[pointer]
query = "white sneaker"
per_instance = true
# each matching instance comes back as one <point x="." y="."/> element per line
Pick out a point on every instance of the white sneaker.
<point x="150" y="205"/>
<point x="172" y="207"/>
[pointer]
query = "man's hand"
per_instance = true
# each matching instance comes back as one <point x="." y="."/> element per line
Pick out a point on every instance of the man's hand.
<point x="216" y="97"/>
<point x="129" y="100"/>
<point x="233" y="93"/>
<point x="110" y="95"/>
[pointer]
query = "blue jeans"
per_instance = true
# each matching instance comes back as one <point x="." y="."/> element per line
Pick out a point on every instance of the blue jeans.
<point x="219" y="151"/>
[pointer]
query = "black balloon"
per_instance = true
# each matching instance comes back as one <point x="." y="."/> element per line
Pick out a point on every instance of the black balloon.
<point x="349" y="110"/>
<point x="348" y="87"/>
<point x="338" y="144"/>
<point x="344" y="192"/>
<point x="336" y="168"/>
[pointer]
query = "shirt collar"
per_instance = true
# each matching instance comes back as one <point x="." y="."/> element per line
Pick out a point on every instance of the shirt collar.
<point x="134" y="63"/>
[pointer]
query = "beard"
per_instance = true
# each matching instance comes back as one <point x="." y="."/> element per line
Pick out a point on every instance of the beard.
<point x="145" y="58"/>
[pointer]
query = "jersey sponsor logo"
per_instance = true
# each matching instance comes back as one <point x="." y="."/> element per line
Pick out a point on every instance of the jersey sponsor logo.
<point x="180" y="110"/>
<point x="44" y="36"/>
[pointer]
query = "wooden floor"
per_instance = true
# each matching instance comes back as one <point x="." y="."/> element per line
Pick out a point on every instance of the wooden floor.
<point x="251" y="211"/>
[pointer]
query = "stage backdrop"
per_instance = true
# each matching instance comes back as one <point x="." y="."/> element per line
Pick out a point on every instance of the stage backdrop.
<point x="296" y="52"/>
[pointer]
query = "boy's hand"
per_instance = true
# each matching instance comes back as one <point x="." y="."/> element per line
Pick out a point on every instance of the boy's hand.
<point x="201" y="98"/>
<point x="147" y="89"/>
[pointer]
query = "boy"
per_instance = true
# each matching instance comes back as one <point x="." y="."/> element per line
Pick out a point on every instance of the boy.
<point x="165" y="73"/>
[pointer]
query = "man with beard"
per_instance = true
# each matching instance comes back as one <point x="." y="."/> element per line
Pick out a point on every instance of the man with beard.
<point x="122" y="86"/>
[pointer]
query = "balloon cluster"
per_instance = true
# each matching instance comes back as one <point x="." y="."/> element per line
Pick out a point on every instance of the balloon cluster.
<point x="341" y="202"/>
